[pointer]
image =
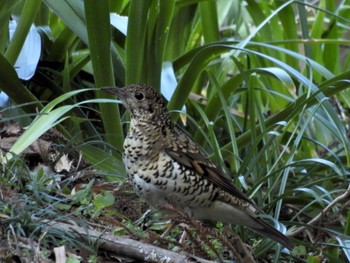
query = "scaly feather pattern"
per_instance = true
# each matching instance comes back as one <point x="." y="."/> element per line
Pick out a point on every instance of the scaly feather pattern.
<point x="165" y="166"/>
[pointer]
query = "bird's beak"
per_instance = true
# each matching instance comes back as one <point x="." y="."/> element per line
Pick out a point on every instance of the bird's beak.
<point x="120" y="92"/>
<point x="113" y="90"/>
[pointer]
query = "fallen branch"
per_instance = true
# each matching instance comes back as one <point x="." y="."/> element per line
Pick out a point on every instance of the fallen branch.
<point x="125" y="247"/>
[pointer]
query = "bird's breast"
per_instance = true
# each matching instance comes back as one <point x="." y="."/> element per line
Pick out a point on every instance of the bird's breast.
<point x="159" y="179"/>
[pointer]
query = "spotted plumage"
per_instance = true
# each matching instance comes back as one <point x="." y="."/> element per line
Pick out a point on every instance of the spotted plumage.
<point x="165" y="166"/>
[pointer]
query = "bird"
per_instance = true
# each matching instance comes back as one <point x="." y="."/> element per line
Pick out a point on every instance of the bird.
<point x="166" y="167"/>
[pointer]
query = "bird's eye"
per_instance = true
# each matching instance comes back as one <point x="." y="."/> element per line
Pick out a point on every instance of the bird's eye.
<point x="139" y="95"/>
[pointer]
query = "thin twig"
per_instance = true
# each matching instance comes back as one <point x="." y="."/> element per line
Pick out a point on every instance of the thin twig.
<point x="345" y="195"/>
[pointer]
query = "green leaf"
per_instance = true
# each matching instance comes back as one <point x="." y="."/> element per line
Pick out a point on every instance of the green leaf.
<point x="61" y="206"/>
<point x="47" y="118"/>
<point x="98" y="27"/>
<point x="135" y="41"/>
<point x="104" y="199"/>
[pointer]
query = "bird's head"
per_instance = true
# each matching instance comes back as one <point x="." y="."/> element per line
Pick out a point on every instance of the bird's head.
<point x="143" y="102"/>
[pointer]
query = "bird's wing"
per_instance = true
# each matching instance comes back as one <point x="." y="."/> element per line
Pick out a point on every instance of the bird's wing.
<point x="184" y="151"/>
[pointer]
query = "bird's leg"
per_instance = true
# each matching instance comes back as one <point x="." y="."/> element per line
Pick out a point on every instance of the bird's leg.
<point x="174" y="223"/>
<point x="184" y="234"/>
<point x="169" y="229"/>
<point x="239" y="249"/>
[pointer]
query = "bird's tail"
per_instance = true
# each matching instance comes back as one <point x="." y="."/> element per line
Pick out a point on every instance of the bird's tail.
<point x="266" y="229"/>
